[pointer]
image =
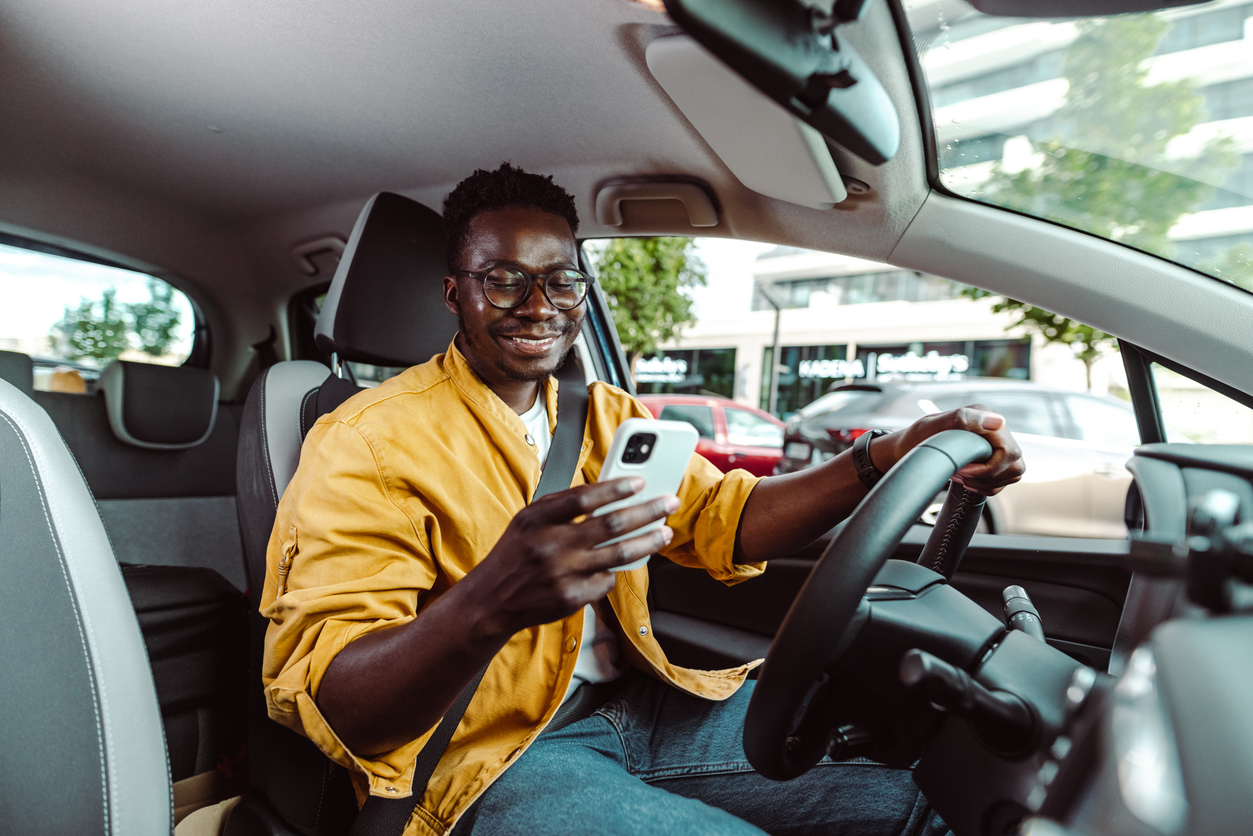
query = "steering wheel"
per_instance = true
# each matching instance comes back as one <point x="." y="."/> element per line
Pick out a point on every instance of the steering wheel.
<point x="784" y="731"/>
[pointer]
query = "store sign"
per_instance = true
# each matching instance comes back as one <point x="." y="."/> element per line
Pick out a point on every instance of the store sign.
<point x="832" y="368"/>
<point x="660" y="370"/>
<point x="931" y="365"/>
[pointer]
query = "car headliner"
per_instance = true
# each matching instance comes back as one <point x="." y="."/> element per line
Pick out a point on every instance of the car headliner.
<point x="204" y="141"/>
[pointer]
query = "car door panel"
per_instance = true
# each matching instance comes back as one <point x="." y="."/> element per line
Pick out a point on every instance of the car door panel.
<point x="1077" y="585"/>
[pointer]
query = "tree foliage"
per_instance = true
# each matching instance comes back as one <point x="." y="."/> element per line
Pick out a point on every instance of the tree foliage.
<point x="646" y="280"/>
<point x="1108" y="171"/>
<point x="94" y="329"/>
<point x="155" y="322"/>
<point x="102" y="329"/>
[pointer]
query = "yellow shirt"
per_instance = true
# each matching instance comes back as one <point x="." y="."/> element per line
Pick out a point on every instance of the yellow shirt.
<point x="401" y="492"/>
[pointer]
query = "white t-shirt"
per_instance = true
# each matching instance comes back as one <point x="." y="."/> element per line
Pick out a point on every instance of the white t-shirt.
<point x="600" y="658"/>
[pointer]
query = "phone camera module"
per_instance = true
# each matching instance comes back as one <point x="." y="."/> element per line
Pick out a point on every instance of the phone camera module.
<point x="638" y="448"/>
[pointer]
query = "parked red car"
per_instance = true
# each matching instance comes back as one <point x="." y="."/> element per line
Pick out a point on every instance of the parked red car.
<point x="732" y="435"/>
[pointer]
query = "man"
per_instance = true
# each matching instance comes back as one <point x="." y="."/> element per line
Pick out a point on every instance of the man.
<point x="404" y="558"/>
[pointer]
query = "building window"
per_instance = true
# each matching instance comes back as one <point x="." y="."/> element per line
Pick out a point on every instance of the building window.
<point x="1040" y="68"/>
<point x="1237" y="187"/>
<point x="976" y="149"/>
<point x="702" y="371"/>
<point x="1210" y="27"/>
<point x="859" y="289"/>
<point x="1229" y="100"/>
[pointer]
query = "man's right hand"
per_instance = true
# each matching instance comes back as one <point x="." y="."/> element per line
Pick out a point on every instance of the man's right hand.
<point x="547" y="565"/>
<point x="389" y="686"/>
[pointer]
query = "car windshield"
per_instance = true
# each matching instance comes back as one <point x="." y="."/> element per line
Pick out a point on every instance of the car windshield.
<point x="1137" y="128"/>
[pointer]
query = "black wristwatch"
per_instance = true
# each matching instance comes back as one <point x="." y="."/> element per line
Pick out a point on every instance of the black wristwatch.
<point x="866" y="470"/>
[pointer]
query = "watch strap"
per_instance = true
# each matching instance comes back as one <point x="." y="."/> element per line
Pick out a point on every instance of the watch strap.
<point x="865" y="466"/>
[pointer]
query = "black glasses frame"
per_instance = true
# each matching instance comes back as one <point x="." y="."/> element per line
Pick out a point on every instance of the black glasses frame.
<point x="532" y="280"/>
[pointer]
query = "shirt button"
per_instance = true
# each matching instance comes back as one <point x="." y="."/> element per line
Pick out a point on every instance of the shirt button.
<point x="392" y="789"/>
<point x="530" y="440"/>
<point x="571" y="644"/>
<point x="643" y="631"/>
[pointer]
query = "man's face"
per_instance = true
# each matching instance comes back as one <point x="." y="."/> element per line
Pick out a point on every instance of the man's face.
<point x="528" y="342"/>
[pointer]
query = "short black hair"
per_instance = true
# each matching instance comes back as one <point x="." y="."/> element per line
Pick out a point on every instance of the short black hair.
<point x="507" y="186"/>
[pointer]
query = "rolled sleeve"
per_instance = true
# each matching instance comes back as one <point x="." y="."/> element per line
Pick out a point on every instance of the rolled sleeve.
<point x="708" y="519"/>
<point x="343" y="560"/>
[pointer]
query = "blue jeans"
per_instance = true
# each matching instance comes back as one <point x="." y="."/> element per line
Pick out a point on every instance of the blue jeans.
<point x="657" y="761"/>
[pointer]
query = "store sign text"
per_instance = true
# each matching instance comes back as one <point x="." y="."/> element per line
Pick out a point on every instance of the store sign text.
<point x="660" y="370"/>
<point x="930" y="365"/>
<point x="832" y="368"/>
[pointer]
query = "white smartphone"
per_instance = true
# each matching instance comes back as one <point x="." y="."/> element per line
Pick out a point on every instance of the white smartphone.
<point x="656" y="451"/>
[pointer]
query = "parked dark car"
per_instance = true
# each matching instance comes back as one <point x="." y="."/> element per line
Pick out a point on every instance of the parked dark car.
<point x="1077" y="445"/>
<point x="732" y="435"/>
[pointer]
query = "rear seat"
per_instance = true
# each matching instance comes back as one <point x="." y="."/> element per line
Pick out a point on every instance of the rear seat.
<point x="158" y="452"/>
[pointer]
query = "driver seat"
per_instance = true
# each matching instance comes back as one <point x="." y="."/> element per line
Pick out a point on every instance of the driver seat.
<point x="80" y="730"/>
<point x="384" y="307"/>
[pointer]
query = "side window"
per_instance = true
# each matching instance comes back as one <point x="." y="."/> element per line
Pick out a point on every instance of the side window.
<point x="74" y="317"/>
<point x="1103" y="422"/>
<point x="700" y="417"/>
<point x="1195" y="413"/>
<point x="743" y="427"/>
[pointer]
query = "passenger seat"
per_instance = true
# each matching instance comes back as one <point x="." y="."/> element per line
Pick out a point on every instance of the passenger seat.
<point x="158" y="454"/>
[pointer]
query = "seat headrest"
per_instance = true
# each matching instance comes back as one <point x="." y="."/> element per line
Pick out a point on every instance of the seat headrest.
<point x="386" y="302"/>
<point x="159" y="407"/>
<point x="18" y="370"/>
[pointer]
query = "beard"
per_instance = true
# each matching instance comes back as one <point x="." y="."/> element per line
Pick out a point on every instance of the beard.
<point x="540" y="369"/>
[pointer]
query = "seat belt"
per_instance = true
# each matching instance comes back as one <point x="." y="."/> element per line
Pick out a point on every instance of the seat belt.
<point x="388" y="816"/>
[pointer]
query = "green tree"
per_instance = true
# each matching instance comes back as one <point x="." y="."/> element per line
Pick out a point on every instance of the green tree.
<point x="94" y="329"/>
<point x="102" y="329"/>
<point x="646" y="280"/>
<point x="155" y="322"/>
<point x="1108" y="171"/>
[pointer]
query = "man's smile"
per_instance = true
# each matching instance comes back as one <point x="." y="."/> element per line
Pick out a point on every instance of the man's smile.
<point x="532" y="347"/>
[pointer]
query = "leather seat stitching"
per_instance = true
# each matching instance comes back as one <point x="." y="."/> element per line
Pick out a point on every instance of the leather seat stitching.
<point x="98" y="696"/>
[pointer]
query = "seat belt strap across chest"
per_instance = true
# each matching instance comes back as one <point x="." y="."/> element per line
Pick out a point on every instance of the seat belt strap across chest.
<point x="388" y="816"/>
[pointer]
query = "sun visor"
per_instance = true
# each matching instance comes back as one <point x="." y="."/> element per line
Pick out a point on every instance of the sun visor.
<point x="739" y="123"/>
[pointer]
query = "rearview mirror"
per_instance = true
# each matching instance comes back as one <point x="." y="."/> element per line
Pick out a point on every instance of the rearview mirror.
<point x="794" y="55"/>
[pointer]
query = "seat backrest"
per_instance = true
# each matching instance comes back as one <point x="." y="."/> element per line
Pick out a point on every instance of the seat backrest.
<point x="79" y="723"/>
<point x="384" y="307"/>
<point x="19" y="370"/>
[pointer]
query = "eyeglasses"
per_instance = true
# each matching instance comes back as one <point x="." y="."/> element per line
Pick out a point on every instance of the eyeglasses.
<point x="508" y="287"/>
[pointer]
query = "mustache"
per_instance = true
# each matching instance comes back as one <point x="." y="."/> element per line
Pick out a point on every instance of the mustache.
<point x="506" y="329"/>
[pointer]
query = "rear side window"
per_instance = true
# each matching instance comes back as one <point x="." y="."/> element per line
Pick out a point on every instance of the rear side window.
<point x="743" y="427"/>
<point x="700" y="417"/>
<point x="74" y="317"/>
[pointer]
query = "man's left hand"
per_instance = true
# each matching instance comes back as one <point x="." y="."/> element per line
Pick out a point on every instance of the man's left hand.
<point x="1004" y="467"/>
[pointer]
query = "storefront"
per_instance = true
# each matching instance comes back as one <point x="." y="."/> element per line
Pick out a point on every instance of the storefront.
<point x="807" y="372"/>
<point x="688" y="372"/>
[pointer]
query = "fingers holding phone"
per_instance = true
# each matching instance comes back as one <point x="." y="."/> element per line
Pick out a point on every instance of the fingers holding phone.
<point x="657" y="452"/>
